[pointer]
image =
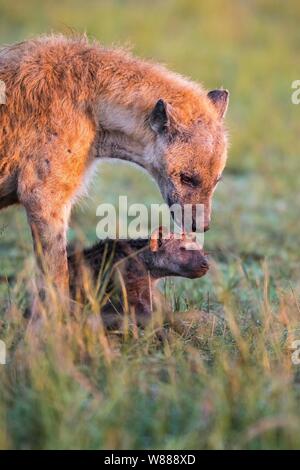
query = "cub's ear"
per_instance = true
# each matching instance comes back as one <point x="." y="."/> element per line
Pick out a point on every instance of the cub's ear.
<point x="157" y="237"/>
<point x="220" y="99"/>
<point x="159" y="118"/>
<point x="153" y="244"/>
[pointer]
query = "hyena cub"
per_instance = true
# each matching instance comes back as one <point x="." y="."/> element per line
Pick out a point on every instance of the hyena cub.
<point x="135" y="266"/>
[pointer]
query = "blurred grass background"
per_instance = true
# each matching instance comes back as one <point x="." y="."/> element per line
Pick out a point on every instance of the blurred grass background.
<point x="223" y="382"/>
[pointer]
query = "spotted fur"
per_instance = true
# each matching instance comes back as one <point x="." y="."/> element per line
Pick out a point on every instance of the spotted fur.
<point x="69" y="101"/>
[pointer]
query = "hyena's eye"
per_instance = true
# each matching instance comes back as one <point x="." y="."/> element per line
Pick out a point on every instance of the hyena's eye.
<point x="189" y="180"/>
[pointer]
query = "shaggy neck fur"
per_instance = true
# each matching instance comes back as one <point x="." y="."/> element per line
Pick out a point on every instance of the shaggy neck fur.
<point x="126" y="93"/>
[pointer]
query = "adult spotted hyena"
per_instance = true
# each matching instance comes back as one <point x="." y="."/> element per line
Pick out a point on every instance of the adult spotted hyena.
<point x="69" y="103"/>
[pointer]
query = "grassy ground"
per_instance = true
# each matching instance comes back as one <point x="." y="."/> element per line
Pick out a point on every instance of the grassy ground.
<point x="223" y="380"/>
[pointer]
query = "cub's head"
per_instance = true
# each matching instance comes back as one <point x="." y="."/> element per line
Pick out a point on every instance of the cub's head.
<point x="176" y="255"/>
<point x="190" y="157"/>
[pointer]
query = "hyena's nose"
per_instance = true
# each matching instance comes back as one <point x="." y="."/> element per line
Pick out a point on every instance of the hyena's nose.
<point x="205" y="228"/>
<point x="206" y="223"/>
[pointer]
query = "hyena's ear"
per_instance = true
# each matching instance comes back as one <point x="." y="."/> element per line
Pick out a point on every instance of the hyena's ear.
<point x="159" y="118"/>
<point x="220" y="99"/>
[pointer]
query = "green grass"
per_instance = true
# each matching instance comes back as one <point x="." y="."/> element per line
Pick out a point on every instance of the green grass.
<point x="222" y="381"/>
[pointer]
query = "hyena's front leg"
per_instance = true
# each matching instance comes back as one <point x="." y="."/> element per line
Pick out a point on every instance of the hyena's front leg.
<point x="48" y="214"/>
<point x="48" y="182"/>
<point x="49" y="232"/>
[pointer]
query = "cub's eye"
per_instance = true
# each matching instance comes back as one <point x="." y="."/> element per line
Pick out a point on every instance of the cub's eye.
<point x="189" y="180"/>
